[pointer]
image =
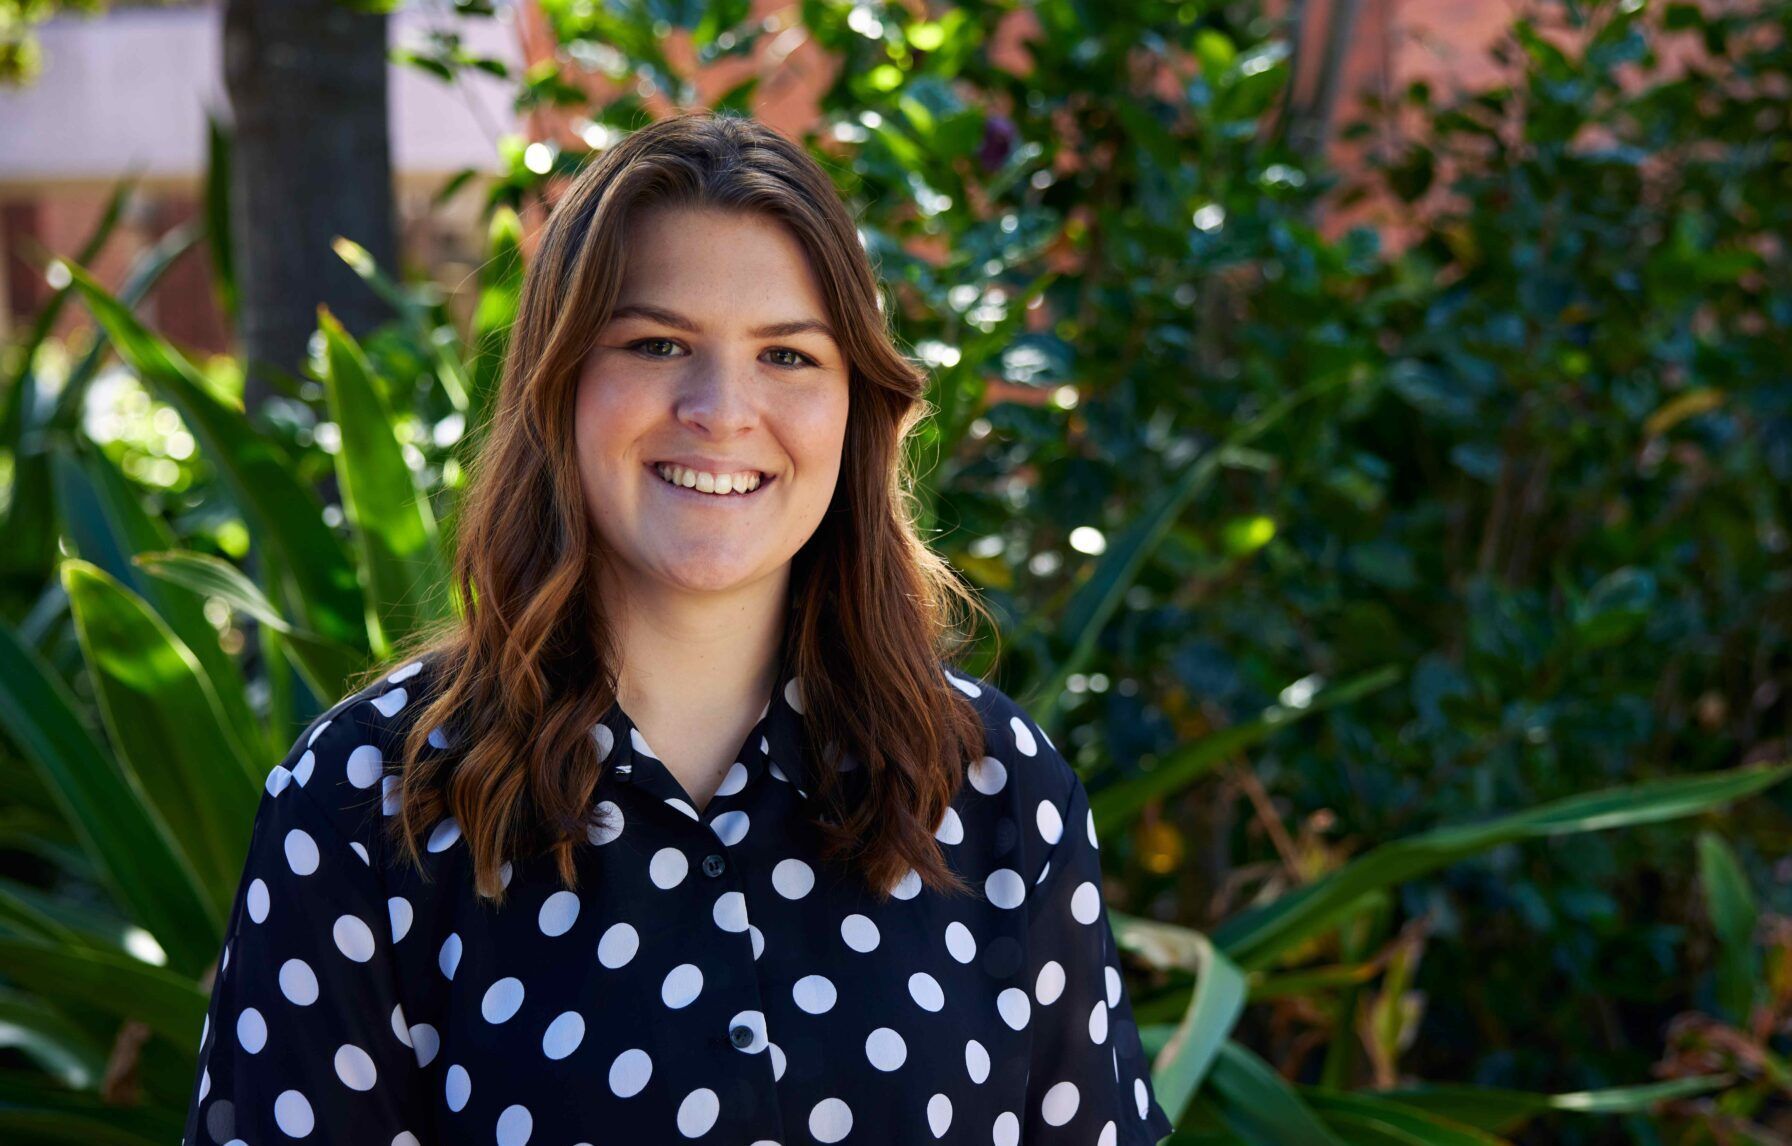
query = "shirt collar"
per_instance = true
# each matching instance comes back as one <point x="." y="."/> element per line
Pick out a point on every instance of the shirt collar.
<point x="777" y="739"/>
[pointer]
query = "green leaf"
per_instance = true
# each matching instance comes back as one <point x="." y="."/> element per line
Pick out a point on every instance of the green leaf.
<point x="1259" y="1105"/>
<point x="1256" y="937"/>
<point x="1501" y="1111"/>
<point x="115" y="984"/>
<point x="390" y="516"/>
<point x="326" y="665"/>
<point x="1353" y="1113"/>
<point x="283" y="515"/>
<point x="1731" y="906"/>
<point x="166" y="726"/>
<point x="1213" y="1010"/>
<point x="108" y="810"/>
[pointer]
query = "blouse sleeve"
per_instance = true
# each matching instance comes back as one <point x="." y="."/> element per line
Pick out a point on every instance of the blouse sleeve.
<point x="1089" y="1079"/>
<point x="304" y="1037"/>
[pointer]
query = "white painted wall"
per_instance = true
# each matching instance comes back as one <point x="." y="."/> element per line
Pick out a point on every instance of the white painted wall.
<point x="131" y="88"/>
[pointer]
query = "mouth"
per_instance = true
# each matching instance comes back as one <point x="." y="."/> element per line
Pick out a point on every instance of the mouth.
<point x="695" y="495"/>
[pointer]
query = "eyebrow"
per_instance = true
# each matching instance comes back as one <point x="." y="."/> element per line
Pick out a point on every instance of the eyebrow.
<point x="679" y="322"/>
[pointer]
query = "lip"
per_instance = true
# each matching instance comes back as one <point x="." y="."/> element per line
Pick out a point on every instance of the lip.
<point x="699" y="497"/>
<point x="707" y="465"/>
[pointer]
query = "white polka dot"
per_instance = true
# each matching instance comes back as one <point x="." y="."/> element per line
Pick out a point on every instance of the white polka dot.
<point x="205" y="1082"/>
<point x="925" y="990"/>
<point x="734" y="781"/>
<point x="684" y="807"/>
<point x="1005" y="888"/>
<point x="1050" y="983"/>
<point x="730" y="827"/>
<point x="969" y="688"/>
<point x="1059" y="1104"/>
<point x="814" y="994"/>
<point x="353" y="937"/>
<point x="427" y="1042"/>
<point x="504" y="870"/>
<point x="976" y="1061"/>
<point x="1085" y="902"/>
<point x="697" y="1113"/>
<point x="960" y="942"/>
<point x="758" y="938"/>
<point x="605" y="823"/>
<point x="1007" y="1129"/>
<point x="391" y="793"/>
<point x="1040" y="878"/>
<point x="939" y="1115"/>
<point x="618" y="945"/>
<point x="558" y="912"/>
<point x="885" y="1048"/>
<point x="399" y="1029"/>
<point x="258" y="901"/>
<point x="604" y="739"/>
<point x="793" y="878"/>
<point x="449" y="957"/>
<point x="458" y="1087"/>
<point x="682" y="985"/>
<point x="1111" y="974"/>
<point x="1109" y="1135"/>
<point x="278" y="779"/>
<point x="1140" y="1096"/>
<point x="438" y="738"/>
<point x="563" y="1035"/>
<point x="443" y="835"/>
<point x="630" y="1072"/>
<point x="988" y="775"/>
<point x="360" y="851"/>
<point x="292" y="1113"/>
<point x="301" y="852"/>
<point x="777" y="1054"/>
<point x="298" y="982"/>
<point x="667" y="868"/>
<point x="908" y="886"/>
<point x="364" y="765"/>
<point x="1051" y="824"/>
<point x="1023" y="737"/>
<point x="1098" y="1022"/>
<point x="951" y="829"/>
<point x="830" y="1120"/>
<point x="400" y="675"/>
<point x="389" y="703"/>
<point x="502" y="999"/>
<point x="301" y="771"/>
<point x="793" y="694"/>
<point x="730" y="911"/>
<point x="1091" y="819"/>
<point x="251" y="1030"/>
<point x="514" y="1125"/>
<point x="1014" y="1007"/>
<point x="399" y="908"/>
<point x="859" y="932"/>
<point x="355" y="1068"/>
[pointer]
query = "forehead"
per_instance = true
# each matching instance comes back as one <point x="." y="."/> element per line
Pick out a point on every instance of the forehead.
<point x="744" y="267"/>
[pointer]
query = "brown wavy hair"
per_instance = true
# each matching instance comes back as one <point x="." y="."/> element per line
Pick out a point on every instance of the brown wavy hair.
<point x="527" y="665"/>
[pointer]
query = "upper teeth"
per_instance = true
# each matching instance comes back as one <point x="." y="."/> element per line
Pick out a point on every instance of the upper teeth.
<point x="744" y="482"/>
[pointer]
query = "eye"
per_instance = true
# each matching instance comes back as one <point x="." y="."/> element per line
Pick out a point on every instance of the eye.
<point x="804" y="358"/>
<point x="640" y="342"/>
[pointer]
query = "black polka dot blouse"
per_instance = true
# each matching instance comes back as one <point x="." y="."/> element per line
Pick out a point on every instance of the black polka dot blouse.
<point x="709" y="982"/>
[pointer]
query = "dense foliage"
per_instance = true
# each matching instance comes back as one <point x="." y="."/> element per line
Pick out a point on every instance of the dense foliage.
<point x="1368" y="579"/>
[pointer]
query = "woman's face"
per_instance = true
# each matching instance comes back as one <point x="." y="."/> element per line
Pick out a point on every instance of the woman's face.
<point x="718" y="360"/>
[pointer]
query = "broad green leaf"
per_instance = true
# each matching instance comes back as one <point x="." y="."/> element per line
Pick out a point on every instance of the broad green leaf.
<point x="390" y="516"/>
<point x="1731" y="906"/>
<point x="1259" y="1105"/>
<point x="166" y="726"/>
<point x="60" y="1048"/>
<point x="1213" y="1010"/>
<point x="1256" y="937"/>
<point x="105" y="516"/>
<point x="130" y="845"/>
<point x="284" y="516"/>
<point x="1501" y="1111"/>
<point x="1352" y="1113"/>
<point x="118" y="985"/>
<point x="326" y="665"/>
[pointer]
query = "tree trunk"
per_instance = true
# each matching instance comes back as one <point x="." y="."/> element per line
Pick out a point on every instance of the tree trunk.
<point x="311" y="161"/>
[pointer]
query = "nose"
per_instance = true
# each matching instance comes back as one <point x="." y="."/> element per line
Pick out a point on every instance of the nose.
<point x="718" y="397"/>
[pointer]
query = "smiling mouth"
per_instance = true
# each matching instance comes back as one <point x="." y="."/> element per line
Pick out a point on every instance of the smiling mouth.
<point x="692" y="492"/>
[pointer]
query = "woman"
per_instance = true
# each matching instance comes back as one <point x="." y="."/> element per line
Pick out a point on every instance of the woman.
<point x="687" y="830"/>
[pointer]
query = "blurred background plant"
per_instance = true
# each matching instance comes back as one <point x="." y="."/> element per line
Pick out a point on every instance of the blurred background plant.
<point x="1412" y="593"/>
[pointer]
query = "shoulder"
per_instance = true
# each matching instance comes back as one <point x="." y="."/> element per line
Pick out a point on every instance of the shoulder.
<point x="337" y="766"/>
<point x="1023" y="788"/>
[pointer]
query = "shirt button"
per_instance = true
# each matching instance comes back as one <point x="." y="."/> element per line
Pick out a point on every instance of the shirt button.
<point x="741" y="1036"/>
<point x="714" y="865"/>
